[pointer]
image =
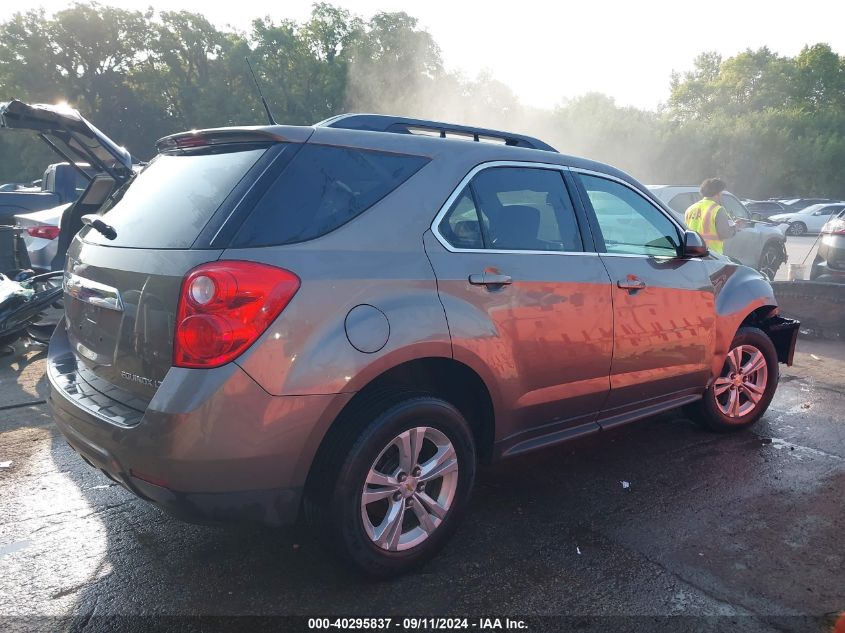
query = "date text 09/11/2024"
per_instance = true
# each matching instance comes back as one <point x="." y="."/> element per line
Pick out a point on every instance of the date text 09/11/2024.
<point x="417" y="624"/>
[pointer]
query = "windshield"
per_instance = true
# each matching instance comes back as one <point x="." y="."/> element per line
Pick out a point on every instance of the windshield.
<point x="169" y="203"/>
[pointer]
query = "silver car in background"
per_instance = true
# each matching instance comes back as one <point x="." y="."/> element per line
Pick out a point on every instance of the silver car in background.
<point x="759" y="244"/>
<point x="41" y="234"/>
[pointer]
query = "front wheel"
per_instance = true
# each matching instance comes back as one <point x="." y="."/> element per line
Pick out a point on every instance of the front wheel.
<point x="401" y="487"/>
<point x="742" y="392"/>
<point x="797" y="228"/>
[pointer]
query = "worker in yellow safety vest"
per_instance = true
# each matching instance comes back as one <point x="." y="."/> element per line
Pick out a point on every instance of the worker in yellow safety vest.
<point x="709" y="218"/>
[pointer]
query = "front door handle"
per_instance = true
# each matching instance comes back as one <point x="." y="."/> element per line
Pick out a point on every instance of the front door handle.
<point x="490" y="279"/>
<point x="632" y="283"/>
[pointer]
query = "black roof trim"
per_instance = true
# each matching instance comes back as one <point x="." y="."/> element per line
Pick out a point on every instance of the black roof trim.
<point x="403" y="125"/>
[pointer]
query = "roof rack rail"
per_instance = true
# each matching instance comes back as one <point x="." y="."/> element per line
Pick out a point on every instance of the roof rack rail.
<point x="403" y="125"/>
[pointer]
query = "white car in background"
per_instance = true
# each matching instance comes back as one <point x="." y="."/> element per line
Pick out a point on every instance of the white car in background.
<point x="41" y="234"/>
<point x="810" y="219"/>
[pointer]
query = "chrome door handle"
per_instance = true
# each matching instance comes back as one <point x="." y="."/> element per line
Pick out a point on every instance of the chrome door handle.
<point x="631" y="284"/>
<point x="490" y="279"/>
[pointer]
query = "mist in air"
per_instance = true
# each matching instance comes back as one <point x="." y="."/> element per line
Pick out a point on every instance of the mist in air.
<point x="769" y="125"/>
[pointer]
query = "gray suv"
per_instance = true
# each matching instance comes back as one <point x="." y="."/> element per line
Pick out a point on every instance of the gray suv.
<point x="337" y="323"/>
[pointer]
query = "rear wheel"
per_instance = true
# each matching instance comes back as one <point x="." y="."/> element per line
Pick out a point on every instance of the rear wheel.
<point x="398" y="492"/>
<point x="797" y="228"/>
<point x="742" y="392"/>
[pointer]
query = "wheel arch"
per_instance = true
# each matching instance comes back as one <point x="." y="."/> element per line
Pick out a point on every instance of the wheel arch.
<point x="438" y="376"/>
<point x="744" y="297"/>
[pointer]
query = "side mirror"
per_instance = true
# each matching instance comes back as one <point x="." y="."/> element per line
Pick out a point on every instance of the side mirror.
<point x="694" y="245"/>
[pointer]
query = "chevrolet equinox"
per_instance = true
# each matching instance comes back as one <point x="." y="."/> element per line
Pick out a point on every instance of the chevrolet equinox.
<point x="337" y="323"/>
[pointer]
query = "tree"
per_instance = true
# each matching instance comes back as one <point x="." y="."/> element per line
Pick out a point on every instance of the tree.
<point x="769" y="124"/>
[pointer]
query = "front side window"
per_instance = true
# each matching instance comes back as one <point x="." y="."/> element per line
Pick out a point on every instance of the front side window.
<point x="629" y="223"/>
<point x="513" y="209"/>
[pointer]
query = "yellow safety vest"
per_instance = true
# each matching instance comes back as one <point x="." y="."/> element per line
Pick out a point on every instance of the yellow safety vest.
<point x="701" y="218"/>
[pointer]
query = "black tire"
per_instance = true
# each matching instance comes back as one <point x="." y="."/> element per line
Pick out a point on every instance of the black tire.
<point x="335" y="500"/>
<point x="797" y="228"/>
<point x="706" y="411"/>
<point x="770" y="260"/>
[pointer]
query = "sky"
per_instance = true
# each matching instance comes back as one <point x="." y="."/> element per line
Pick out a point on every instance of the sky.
<point x="548" y="51"/>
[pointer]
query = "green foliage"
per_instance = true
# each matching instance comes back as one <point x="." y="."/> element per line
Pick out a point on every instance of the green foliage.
<point x="771" y="125"/>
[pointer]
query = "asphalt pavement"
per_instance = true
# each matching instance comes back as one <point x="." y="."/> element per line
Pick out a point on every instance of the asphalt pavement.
<point x="799" y="248"/>
<point x="734" y="532"/>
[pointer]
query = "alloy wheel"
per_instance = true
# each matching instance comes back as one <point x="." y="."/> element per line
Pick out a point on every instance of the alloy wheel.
<point x="769" y="263"/>
<point x="409" y="489"/>
<point x="796" y="228"/>
<point x="742" y="384"/>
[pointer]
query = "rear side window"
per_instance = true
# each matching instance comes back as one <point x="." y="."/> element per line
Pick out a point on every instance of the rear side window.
<point x="683" y="201"/>
<point x="322" y="188"/>
<point x="171" y="201"/>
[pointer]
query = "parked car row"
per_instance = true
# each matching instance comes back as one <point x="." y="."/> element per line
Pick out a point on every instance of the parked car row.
<point x="788" y="210"/>
<point x="51" y="213"/>
<point x="811" y="219"/>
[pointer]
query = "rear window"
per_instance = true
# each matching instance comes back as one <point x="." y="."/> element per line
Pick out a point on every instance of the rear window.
<point x="322" y="188"/>
<point x="169" y="203"/>
<point x="683" y="201"/>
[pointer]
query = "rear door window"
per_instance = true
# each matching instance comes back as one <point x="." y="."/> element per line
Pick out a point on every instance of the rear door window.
<point x="513" y="209"/>
<point x="174" y="197"/>
<point x="321" y="189"/>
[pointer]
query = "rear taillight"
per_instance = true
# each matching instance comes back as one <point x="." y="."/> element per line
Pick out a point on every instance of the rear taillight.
<point x="45" y="232"/>
<point x="836" y="227"/>
<point x="224" y="307"/>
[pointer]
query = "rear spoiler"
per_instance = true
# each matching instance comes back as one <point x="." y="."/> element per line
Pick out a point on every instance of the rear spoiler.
<point x="234" y="135"/>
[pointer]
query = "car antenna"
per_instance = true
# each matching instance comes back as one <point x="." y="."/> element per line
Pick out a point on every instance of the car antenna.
<point x="260" y="94"/>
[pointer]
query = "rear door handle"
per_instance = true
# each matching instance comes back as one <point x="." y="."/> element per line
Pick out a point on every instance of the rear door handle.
<point x="490" y="279"/>
<point x="631" y="284"/>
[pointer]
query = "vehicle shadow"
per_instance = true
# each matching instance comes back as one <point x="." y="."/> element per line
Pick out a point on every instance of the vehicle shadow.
<point x="22" y="378"/>
<point x="590" y="528"/>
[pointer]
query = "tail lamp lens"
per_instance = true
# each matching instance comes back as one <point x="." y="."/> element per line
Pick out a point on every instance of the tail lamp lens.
<point x="45" y="232"/>
<point x="224" y="307"/>
<point x="835" y="227"/>
<point x="202" y="290"/>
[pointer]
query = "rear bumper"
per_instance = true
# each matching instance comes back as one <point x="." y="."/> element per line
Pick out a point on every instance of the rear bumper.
<point x="822" y="271"/>
<point x="211" y="445"/>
